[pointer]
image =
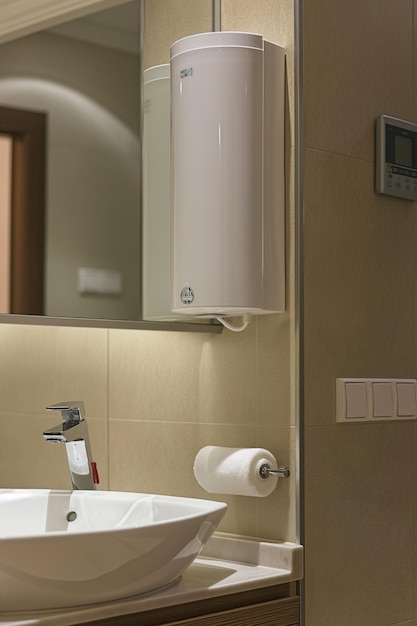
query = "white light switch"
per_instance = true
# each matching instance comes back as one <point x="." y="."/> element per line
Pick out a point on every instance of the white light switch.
<point x="356" y="400"/>
<point x="383" y="400"/>
<point x="406" y="394"/>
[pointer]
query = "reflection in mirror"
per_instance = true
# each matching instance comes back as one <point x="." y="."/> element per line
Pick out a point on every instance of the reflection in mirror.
<point x="166" y="22"/>
<point x="84" y="79"/>
<point x="156" y="193"/>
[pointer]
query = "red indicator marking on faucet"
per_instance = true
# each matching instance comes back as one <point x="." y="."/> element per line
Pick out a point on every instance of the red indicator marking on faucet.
<point x="96" y="478"/>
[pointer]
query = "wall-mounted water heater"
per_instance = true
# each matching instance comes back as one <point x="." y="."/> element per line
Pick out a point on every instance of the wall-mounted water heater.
<point x="227" y="170"/>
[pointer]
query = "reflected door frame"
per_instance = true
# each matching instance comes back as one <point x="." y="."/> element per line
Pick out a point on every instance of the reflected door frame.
<point x="28" y="132"/>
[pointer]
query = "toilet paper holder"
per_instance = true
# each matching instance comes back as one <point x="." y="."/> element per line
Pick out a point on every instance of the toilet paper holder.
<point x="265" y="471"/>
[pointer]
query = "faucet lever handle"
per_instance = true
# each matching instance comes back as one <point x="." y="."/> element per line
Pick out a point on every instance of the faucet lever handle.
<point x="71" y="411"/>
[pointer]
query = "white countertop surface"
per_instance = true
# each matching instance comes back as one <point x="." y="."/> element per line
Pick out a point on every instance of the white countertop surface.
<point x="227" y="565"/>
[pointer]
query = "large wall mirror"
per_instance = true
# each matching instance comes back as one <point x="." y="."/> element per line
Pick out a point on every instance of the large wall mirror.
<point x="71" y="115"/>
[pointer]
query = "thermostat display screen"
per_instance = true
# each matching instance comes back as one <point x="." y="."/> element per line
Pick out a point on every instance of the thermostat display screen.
<point x="396" y="157"/>
<point x="403" y="151"/>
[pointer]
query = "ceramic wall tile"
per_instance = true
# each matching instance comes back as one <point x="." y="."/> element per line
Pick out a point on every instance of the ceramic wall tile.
<point x="275" y="21"/>
<point x="153" y="375"/>
<point x="43" y="365"/>
<point x="415" y="60"/>
<point x="290" y="233"/>
<point x="358" y="64"/>
<point x="28" y="462"/>
<point x="276" y="384"/>
<point x="359" y="303"/>
<point x="167" y="21"/>
<point x="359" y="524"/>
<point x="228" y="389"/>
<point x="415" y="533"/>
<point x="183" y="377"/>
<point x="277" y="512"/>
<point x="158" y="457"/>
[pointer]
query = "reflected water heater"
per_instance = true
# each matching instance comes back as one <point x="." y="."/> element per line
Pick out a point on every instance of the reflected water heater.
<point x="156" y="194"/>
<point x="227" y="173"/>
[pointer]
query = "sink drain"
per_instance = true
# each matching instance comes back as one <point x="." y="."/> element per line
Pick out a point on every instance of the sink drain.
<point x="71" y="516"/>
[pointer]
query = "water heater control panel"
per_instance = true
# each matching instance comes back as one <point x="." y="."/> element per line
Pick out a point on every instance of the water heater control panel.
<point x="396" y="157"/>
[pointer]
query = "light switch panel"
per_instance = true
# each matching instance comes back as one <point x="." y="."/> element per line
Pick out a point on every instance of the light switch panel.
<point x="375" y="399"/>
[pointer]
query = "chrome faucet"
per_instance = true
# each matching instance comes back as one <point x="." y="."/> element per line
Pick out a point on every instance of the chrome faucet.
<point x="73" y="432"/>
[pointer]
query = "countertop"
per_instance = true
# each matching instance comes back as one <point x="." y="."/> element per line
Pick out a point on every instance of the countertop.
<point x="227" y="565"/>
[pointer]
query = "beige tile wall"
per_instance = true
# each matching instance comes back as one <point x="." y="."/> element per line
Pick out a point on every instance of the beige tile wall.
<point x="154" y="398"/>
<point x="40" y="366"/>
<point x="208" y="391"/>
<point x="360" y="279"/>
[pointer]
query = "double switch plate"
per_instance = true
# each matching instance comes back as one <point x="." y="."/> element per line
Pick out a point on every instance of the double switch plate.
<point x="372" y="399"/>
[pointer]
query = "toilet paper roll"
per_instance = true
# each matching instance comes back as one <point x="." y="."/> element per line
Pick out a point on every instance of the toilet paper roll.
<point x="234" y="471"/>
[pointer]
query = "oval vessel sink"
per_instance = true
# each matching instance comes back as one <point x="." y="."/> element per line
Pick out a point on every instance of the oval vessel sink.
<point x="66" y="549"/>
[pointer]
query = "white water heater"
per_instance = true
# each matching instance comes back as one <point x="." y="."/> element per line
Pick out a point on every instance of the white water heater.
<point x="227" y="171"/>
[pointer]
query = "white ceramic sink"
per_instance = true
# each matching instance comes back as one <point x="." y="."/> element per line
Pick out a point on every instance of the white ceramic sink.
<point x="65" y="549"/>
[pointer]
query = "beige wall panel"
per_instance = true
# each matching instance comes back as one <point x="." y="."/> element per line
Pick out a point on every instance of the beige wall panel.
<point x="414" y="61"/>
<point x="360" y="282"/>
<point x="183" y="377"/>
<point x="277" y="512"/>
<point x="159" y="457"/>
<point x="359" y="524"/>
<point x="358" y="65"/>
<point x="275" y="21"/>
<point x="275" y="382"/>
<point x="168" y="20"/>
<point x="40" y="366"/>
<point x="359" y="303"/>
<point x="28" y="462"/>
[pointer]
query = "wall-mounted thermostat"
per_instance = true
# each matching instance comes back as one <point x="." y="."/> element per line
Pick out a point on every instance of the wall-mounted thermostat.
<point x="396" y="157"/>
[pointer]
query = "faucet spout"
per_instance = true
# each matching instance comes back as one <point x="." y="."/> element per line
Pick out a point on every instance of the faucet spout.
<point x="73" y="432"/>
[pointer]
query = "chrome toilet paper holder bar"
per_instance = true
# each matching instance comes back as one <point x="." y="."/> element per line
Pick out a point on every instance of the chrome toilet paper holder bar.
<point x="265" y="471"/>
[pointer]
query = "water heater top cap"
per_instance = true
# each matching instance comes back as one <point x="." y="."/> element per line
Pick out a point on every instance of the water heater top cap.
<point x="156" y="72"/>
<point x="217" y="40"/>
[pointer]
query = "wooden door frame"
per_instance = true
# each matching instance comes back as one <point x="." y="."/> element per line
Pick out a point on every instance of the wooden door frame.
<point x="28" y="131"/>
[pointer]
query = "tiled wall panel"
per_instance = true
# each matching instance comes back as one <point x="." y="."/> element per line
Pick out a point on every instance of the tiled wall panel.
<point x="360" y="279"/>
